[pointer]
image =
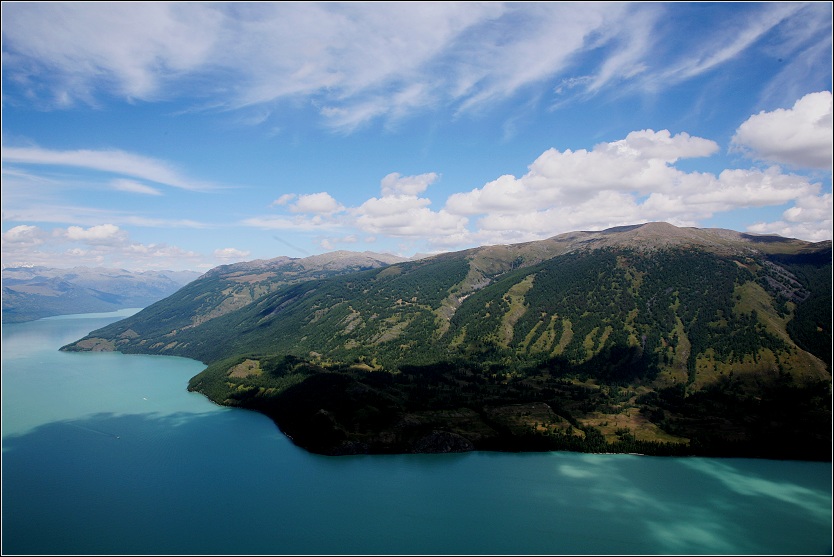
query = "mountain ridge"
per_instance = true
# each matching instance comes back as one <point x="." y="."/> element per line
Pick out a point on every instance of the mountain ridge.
<point x="649" y="338"/>
<point x="35" y="292"/>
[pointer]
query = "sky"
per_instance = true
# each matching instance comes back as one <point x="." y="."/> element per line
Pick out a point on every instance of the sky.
<point x="182" y="136"/>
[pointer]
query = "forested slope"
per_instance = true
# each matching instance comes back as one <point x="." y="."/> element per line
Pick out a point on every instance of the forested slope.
<point x="642" y="339"/>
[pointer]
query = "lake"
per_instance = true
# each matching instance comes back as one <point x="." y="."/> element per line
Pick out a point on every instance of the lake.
<point x="105" y="453"/>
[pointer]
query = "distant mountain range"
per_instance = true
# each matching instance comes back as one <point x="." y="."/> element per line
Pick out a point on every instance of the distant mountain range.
<point x="647" y="338"/>
<point x="31" y="293"/>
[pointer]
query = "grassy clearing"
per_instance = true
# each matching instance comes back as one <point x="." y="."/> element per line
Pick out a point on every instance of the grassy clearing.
<point x="515" y="299"/>
<point x="245" y="369"/>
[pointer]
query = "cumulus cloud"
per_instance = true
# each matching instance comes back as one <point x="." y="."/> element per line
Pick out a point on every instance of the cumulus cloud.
<point x="394" y="184"/>
<point x="103" y="234"/>
<point x="617" y="183"/>
<point x="321" y="203"/>
<point x="398" y="216"/>
<point x="23" y="236"/>
<point x="800" y="136"/>
<point x="399" y="212"/>
<point x="315" y="211"/>
<point x="809" y="218"/>
<point x="627" y="181"/>
<point x="639" y="163"/>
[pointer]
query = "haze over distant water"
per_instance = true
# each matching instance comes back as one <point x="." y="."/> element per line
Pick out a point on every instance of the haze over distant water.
<point x="107" y="453"/>
<point x="31" y="293"/>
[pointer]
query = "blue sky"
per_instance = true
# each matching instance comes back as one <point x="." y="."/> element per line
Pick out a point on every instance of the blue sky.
<point x="189" y="135"/>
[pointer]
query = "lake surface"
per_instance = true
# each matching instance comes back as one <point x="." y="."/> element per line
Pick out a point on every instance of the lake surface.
<point x="105" y="453"/>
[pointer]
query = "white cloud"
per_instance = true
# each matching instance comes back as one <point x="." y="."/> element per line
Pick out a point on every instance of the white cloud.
<point x="358" y="62"/>
<point x="636" y="40"/>
<point x="406" y="216"/>
<point x="350" y="117"/>
<point x="399" y="212"/>
<point x="296" y="223"/>
<point x="321" y="203"/>
<point x="103" y="234"/>
<point x="639" y="163"/>
<point x="327" y="244"/>
<point x="283" y="200"/>
<point x="335" y="242"/>
<point x="801" y="136"/>
<point x="803" y="49"/>
<point x="134" y="187"/>
<point x="539" y="41"/>
<point x="159" y="251"/>
<point x="133" y="48"/>
<point x="617" y="183"/>
<point x="32" y="211"/>
<point x="231" y="254"/>
<point x="661" y="145"/>
<point x="394" y="184"/>
<point x="730" y="40"/>
<point x="810" y="218"/>
<point x="23" y="236"/>
<point x="811" y="209"/>
<point x="112" y="160"/>
<point x="100" y="245"/>
<point x="750" y="188"/>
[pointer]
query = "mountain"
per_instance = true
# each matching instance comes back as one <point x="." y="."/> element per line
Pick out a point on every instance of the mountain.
<point x="647" y="338"/>
<point x="31" y="293"/>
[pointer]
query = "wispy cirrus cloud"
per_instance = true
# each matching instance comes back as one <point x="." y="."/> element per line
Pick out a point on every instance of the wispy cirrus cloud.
<point x="33" y="211"/>
<point x="728" y="41"/>
<point x="129" y="49"/>
<point x="357" y="64"/>
<point x="133" y="186"/>
<point x="109" y="160"/>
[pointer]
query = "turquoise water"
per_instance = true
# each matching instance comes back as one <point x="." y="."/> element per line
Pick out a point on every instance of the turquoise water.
<point x="109" y="454"/>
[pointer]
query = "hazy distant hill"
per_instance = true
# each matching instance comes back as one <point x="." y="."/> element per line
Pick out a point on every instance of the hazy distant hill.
<point x="228" y="288"/>
<point x="34" y="292"/>
<point x="647" y="338"/>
